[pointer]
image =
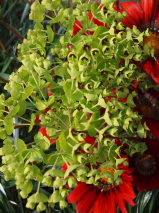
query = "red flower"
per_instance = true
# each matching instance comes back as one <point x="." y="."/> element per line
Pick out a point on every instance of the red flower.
<point x="148" y="105"/>
<point x="104" y="197"/>
<point x="44" y="133"/>
<point x="145" y="16"/>
<point x="146" y="167"/>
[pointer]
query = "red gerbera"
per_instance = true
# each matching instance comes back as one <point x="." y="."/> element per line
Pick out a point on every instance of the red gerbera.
<point x="104" y="197"/>
<point x="148" y="105"/>
<point x="146" y="167"/>
<point x="145" y="16"/>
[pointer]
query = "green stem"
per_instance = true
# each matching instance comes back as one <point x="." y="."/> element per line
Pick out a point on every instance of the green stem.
<point x="42" y="94"/>
<point x="55" y="162"/>
<point x="61" y="120"/>
<point x="38" y="189"/>
<point x="23" y="119"/>
<point x="32" y="109"/>
<point x="31" y="102"/>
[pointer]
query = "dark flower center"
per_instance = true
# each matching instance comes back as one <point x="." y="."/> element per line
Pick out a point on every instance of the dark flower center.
<point x="145" y="164"/>
<point x="153" y="39"/>
<point x="148" y="105"/>
<point x="103" y="183"/>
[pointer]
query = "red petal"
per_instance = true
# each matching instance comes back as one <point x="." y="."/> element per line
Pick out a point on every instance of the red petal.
<point x="112" y="205"/>
<point x="149" y="7"/>
<point x="130" y="202"/>
<point x="120" y="201"/>
<point x="86" y="204"/>
<point x="154" y="127"/>
<point x="127" y="177"/>
<point x="101" y="204"/>
<point x="157" y="16"/>
<point x="127" y="191"/>
<point x="78" y="192"/>
<point x="135" y="13"/>
<point x="152" y="68"/>
<point x="77" y="27"/>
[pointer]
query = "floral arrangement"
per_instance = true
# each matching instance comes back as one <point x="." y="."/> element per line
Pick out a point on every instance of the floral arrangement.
<point x="92" y="89"/>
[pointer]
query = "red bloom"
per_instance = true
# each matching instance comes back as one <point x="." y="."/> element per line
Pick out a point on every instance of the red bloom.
<point x="148" y="105"/>
<point x="146" y="167"/>
<point x="104" y="197"/>
<point x="44" y="133"/>
<point x="145" y="16"/>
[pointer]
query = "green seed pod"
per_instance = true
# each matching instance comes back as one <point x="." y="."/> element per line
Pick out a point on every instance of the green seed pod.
<point x="23" y="194"/>
<point x="41" y="207"/>
<point x="4" y="168"/>
<point x="55" y="197"/>
<point x="58" y="182"/>
<point x="13" y="166"/>
<point x="64" y="193"/>
<point x="37" y="198"/>
<point x="63" y="204"/>
<point x="27" y="186"/>
<point x="7" y="159"/>
<point x="72" y="182"/>
<point x="47" y="181"/>
<point x="46" y="63"/>
<point x="30" y="205"/>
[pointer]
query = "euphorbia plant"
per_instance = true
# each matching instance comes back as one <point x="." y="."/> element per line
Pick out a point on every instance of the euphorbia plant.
<point x="93" y="112"/>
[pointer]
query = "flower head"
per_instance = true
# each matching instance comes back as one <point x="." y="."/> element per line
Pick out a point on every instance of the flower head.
<point x="148" y="105"/>
<point x="146" y="167"/>
<point x="104" y="197"/>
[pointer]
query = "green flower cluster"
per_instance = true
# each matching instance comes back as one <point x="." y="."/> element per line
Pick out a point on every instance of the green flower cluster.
<point x="91" y="76"/>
